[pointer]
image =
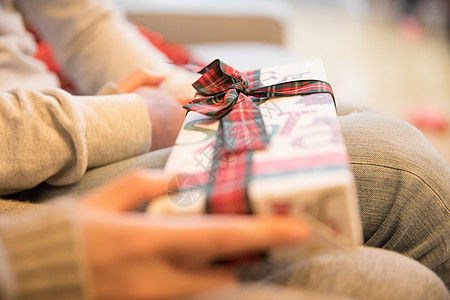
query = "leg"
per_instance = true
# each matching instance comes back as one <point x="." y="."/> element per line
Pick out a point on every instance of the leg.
<point x="361" y="273"/>
<point x="96" y="177"/>
<point x="262" y="292"/>
<point x="403" y="188"/>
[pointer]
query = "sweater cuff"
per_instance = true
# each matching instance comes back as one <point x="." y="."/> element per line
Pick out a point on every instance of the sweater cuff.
<point x="43" y="255"/>
<point x="117" y="127"/>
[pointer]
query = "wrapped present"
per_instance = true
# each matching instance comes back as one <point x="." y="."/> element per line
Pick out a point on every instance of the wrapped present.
<point x="266" y="142"/>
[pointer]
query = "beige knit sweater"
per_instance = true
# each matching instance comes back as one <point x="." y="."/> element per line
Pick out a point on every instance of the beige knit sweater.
<point x="49" y="135"/>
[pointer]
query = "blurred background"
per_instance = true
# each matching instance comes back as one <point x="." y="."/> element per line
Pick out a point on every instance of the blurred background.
<point x="390" y="56"/>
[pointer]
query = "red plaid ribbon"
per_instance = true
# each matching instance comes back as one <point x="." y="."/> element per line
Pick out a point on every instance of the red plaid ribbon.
<point x="232" y="97"/>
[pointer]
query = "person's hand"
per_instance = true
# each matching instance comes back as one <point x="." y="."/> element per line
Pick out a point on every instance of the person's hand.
<point x="133" y="256"/>
<point x="139" y="78"/>
<point x="165" y="111"/>
<point x="178" y="83"/>
<point x="166" y="116"/>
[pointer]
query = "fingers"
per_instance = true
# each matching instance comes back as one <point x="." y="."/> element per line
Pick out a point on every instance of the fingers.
<point x="190" y="282"/>
<point x="212" y="237"/>
<point x="155" y="278"/>
<point x="138" y="79"/>
<point x="187" y="282"/>
<point x="129" y="191"/>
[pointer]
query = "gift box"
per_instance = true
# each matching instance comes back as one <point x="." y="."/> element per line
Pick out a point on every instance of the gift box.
<point x="266" y="142"/>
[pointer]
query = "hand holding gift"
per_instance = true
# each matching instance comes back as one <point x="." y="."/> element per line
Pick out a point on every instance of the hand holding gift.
<point x="165" y="111"/>
<point x="150" y="256"/>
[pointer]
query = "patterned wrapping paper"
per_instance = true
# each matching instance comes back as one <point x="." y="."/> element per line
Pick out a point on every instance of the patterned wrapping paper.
<point x="303" y="171"/>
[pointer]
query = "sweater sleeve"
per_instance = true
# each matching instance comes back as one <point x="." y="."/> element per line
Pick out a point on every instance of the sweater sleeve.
<point x="40" y="255"/>
<point x="18" y="67"/>
<point x="92" y="41"/>
<point x="54" y="137"/>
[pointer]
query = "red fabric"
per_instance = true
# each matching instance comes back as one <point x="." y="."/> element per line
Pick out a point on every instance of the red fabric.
<point x="178" y="54"/>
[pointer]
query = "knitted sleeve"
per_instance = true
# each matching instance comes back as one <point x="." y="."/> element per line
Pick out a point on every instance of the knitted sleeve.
<point x="40" y="255"/>
<point x="54" y="137"/>
<point x="92" y="41"/>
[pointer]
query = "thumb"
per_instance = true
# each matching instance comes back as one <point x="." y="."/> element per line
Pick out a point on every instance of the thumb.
<point x="138" y="79"/>
<point x="183" y="100"/>
<point x="129" y="191"/>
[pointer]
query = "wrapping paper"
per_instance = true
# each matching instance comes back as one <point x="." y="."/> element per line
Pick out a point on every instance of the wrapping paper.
<point x="303" y="172"/>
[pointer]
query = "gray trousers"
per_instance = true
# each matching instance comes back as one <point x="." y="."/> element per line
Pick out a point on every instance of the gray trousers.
<point x="403" y="188"/>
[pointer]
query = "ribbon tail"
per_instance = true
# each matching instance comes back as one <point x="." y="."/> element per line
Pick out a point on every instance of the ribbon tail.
<point x="229" y="177"/>
<point x="240" y="133"/>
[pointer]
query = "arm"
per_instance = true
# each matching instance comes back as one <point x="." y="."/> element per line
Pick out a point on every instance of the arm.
<point x="18" y="68"/>
<point x="92" y="40"/>
<point x="53" y="136"/>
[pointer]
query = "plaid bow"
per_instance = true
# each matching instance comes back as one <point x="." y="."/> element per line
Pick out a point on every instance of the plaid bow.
<point x="233" y="98"/>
